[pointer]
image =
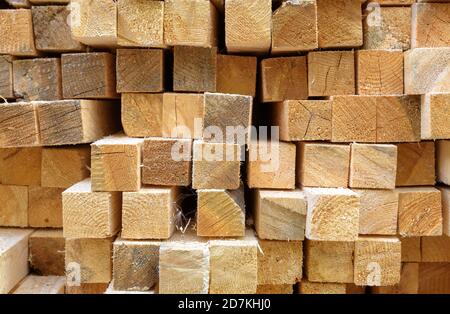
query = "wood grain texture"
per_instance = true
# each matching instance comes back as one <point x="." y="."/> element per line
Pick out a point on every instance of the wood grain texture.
<point x="387" y="28"/>
<point x="19" y="125"/>
<point x="377" y="261"/>
<point x="149" y="213"/>
<point x="236" y="75"/>
<point x="307" y="287"/>
<point x="329" y="261"/>
<point x="135" y="265"/>
<point x="51" y="30"/>
<point x="221" y="213"/>
<point x="379" y="72"/>
<point x="427" y="70"/>
<point x="443" y="162"/>
<point x="14" y="208"/>
<point x="434" y="278"/>
<point x="275" y="289"/>
<point x="435" y="111"/>
<point x="271" y="165"/>
<point x="87" y="288"/>
<point x="373" y="166"/>
<point x="20" y="166"/>
<point x="17" y="37"/>
<point x="436" y="249"/>
<point x="248" y="25"/>
<point x="446" y="209"/>
<point x="89" y="75"/>
<point x="409" y="281"/>
<point x="190" y="23"/>
<point x="241" y="257"/>
<point x="47" y="252"/>
<point x="280" y="215"/>
<point x="316" y="159"/>
<point x="215" y="166"/>
<point x="430" y="25"/>
<point x="419" y="211"/>
<point x="280" y="262"/>
<point x="283" y="78"/>
<point x="415" y="164"/>
<point x="116" y="163"/>
<point x="294" y="27"/>
<point x="142" y="114"/>
<point x="331" y="73"/>
<point x="333" y="214"/>
<point x="411" y="249"/>
<point x="33" y="284"/>
<point x="88" y="214"/>
<point x="140" y="23"/>
<point x="6" y="76"/>
<point x="339" y="23"/>
<point x="140" y="70"/>
<point x="45" y="207"/>
<point x="69" y="122"/>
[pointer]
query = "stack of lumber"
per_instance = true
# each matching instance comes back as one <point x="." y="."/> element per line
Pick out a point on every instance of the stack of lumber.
<point x="224" y="147"/>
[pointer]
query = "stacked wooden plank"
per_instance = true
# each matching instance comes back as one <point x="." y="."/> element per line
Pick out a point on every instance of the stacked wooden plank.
<point x="236" y="146"/>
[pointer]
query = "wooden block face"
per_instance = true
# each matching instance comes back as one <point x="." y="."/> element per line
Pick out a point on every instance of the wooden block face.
<point x="354" y="119"/>
<point x="140" y="23"/>
<point x="51" y="30"/>
<point x="409" y="281"/>
<point x="142" y="114"/>
<point x="274" y="289"/>
<point x="280" y="262"/>
<point x="415" y="164"/>
<point x="183" y="268"/>
<point x="406" y="125"/>
<point x="88" y="75"/>
<point x="248" y="25"/>
<point x="88" y="214"/>
<point x="216" y="166"/>
<point x="271" y="165"/>
<point x="149" y="213"/>
<point x="379" y="72"/>
<point x="377" y="261"/>
<point x="434" y="278"/>
<point x="223" y="112"/>
<point x="387" y="28"/>
<point x="236" y="75"/>
<point x="182" y="115"/>
<point x="339" y="23"/>
<point x="331" y="73"/>
<point x="411" y="249"/>
<point x="443" y="162"/>
<point x="116" y="164"/>
<point x="429" y="26"/>
<point x="95" y="23"/>
<point x="280" y="215"/>
<point x="329" y="261"/>
<point x="317" y="159"/>
<point x="47" y="252"/>
<point x="19" y="126"/>
<point x="373" y="166"/>
<point x="20" y="166"/>
<point x="45" y="207"/>
<point x="190" y="23"/>
<point x="419" y="212"/>
<point x="233" y="266"/>
<point x="41" y="285"/>
<point x="13" y="257"/>
<point x="307" y="287"/>
<point x="6" y="76"/>
<point x="221" y="213"/>
<point x="87" y="288"/>
<point x="88" y="261"/>
<point x="294" y="27"/>
<point x="427" y="70"/>
<point x="303" y="120"/>
<point x="69" y="122"/>
<point x="436" y="249"/>
<point x="333" y="214"/>
<point x="194" y="69"/>
<point x="167" y="162"/>
<point x="395" y="2"/>
<point x="435" y="111"/>
<point x="17" y="37"/>
<point x="135" y="265"/>
<point x="446" y="209"/>
<point x="284" y="78"/>
<point x="14" y="209"/>
<point x="140" y="70"/>
<point x="62" y="167"/>
<point x="378" y="212"/>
